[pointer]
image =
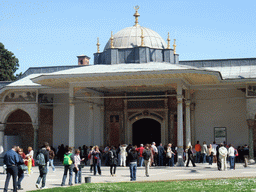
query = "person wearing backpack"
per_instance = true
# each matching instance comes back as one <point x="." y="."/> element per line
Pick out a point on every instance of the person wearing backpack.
<point x="68" y="166"/>
<point x="146" y="156"/>
<point x="42" y="160"/>
<point x="112" y="156"/>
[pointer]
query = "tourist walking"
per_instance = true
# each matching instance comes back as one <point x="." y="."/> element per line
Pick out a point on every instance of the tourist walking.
<point x="21" y="167"/>
<point x="42" y="160"/>
<point x="96" y="160"/>
<point x="112" y="160"/>
<point x="170" y="155"/>
<point x="231" y="155"/>
<point x="198" y="152"/>
<point x="204" y="152"/>
<point x="146" y="155"/>
<point x="68" y="166"/>
<point x="210" y="154"/>
<point x="214" y="150"/>
<point x="11" y="160"/>
<point x="190" y="156"/>
<point x="51" y="158"/>
<point x="90" y="157"/>
<point x="133" y="156"/>
<point x="77" y="166"/>
<point x="223" y="157"/>
<point x="155" y="155"/>
<point x="246" y="155"/>
<point x="140" y="151"/>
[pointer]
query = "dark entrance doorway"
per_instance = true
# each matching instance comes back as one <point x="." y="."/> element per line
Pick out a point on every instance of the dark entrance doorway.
<point x="146" y="131"/>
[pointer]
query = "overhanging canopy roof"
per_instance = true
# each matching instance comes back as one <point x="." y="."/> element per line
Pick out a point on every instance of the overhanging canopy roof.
<point x="126" y="72"/>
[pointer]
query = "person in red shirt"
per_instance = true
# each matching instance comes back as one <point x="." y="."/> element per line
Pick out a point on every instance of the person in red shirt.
<point x="140" y="151"/>
<point x="198" y="152"/>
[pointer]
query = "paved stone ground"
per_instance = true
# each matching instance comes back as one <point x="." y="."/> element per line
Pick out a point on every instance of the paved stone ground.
<point x="201" y="171"/>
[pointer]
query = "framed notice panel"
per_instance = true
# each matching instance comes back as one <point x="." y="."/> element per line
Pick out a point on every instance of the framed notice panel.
<point x="220" y="135"/>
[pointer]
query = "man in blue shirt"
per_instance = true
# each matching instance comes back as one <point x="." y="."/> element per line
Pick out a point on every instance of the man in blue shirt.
<point x="11" y="160"/>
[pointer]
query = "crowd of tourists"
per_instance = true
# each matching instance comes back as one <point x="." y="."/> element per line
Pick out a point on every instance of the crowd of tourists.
<point x="18" y="163"/>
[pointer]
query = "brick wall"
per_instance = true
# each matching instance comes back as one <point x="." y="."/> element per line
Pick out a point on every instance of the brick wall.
<point x="45" y="131"/>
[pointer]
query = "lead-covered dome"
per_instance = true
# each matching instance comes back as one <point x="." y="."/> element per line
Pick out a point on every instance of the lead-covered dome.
<point x="130" y="37"/>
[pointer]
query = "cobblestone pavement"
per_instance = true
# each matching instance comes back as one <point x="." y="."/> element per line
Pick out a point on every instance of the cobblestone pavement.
<point x="201" y="171"/>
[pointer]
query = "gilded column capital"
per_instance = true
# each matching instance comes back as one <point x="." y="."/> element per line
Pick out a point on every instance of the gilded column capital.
<point x="71" y="101"/>
<point x="102" y="108"/>
<point x="188" y="102"/>
<point x="2" y="127"/>
<point x="250" y="123"/>
<point x="179" y="98"/>
<point x="36" y="126"/>
<point x="91" y="106"/>
<point x="192" y="106"/>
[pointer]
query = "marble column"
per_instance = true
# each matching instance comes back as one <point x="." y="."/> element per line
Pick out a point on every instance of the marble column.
<point x="171" y="128"/>
<point x="250" y="123"/>
<point x="2" y="127"/>
<point x="36" y="127"/>
<point x="71" y="130"/>
<point x="193" y="131"/>
<point x="188" y="128"/>
<point x="180" y="126"/>
<point x="125" y="122"/>
<point x="91" y="124"/>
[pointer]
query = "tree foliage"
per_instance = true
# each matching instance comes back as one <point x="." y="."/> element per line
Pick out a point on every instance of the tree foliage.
<point x="8" y="64"/>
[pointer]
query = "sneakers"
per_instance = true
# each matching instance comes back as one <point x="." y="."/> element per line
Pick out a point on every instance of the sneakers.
<point x="44" y="187"/>
<point x="37" y="185"/>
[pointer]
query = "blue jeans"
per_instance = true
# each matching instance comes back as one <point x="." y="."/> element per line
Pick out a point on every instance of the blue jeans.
<point x="20" y="178"/>
<point x="204" y="157"/>
<point x="198" y="155"/>
<point x="160" y="160"/>
<point x="66" y="169"/>
<point x="11" y="171"/>
<point x="133" y="169"/>
<point x="51" y="164"/>
<point x="210" y="159"/>
<point x="96" y="167"/>
<point x="78" y="175"/>
<point x="232" y="162"/>
<point x="42" y="175"/>
<point x="141" y="161"/>
<point x="171" y="161"/>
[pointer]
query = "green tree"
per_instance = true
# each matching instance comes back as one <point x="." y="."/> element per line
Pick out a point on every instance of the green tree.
<point x="8" y="64"/>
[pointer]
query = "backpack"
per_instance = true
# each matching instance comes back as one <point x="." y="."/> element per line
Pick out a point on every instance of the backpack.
<point x="67" y="159"/>
<point x="40" y="160"/>
<point x="146" y="154"/>
<point x="111" y="154"/>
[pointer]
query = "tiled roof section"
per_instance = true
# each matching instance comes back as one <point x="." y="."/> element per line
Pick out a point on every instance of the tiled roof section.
<point x="25" y="81"/>
<point x="36" y="70"/>
<point x="229" y="68"/>
<point x="4" y="83"/>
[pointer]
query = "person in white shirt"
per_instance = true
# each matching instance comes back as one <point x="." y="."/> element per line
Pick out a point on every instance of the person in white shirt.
<point x="231" y="154"/>
<point x="123" y="155"/>
<point x="155" y="153"/>
<point x="204" y="151"/>
<point x="77" y="166"/>
<point x="214" y="150"/>
<point x="223" y="156"/>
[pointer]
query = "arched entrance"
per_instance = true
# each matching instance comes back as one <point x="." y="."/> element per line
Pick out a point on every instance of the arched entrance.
<point x="146" y="131"/>
<point x="19" y="129"/>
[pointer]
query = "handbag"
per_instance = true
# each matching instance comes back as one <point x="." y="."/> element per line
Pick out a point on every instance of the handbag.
<point x="169" y="155"/>
<point x="75" y="170"/>
<point x="23" y="167"/>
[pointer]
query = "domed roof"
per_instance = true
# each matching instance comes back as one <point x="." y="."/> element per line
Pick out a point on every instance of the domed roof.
<point x="131" y="37"/>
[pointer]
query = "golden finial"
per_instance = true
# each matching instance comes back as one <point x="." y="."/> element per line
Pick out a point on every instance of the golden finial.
<point x="142" y="38"/>
<point x="111" y="41"/>
<point x="168" y="40"/>
<point x="136" y="15"/>
<point x="174" y="46"/>
<point x="98" y="45"/>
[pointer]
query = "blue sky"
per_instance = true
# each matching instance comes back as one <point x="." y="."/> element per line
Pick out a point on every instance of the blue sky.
<point x="51" y="33"/>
